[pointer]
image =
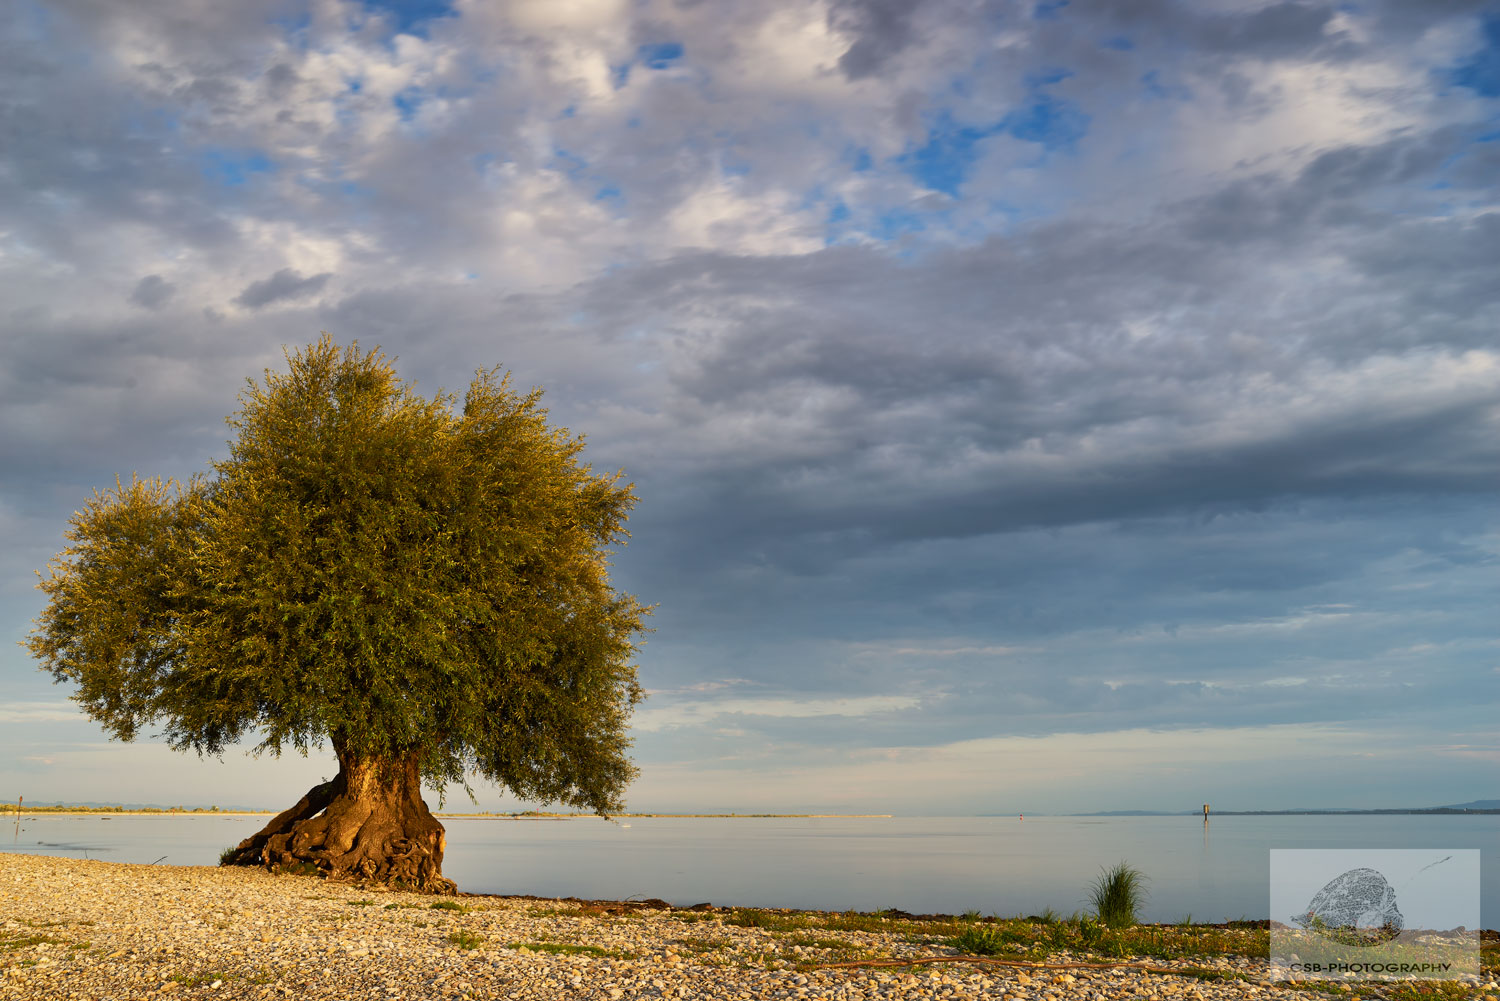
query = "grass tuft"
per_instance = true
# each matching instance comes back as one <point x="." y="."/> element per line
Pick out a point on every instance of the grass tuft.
<point x="1117" y="893"/>
<point x="981" y="940"/>
<point x="465" y="939"/>
<point x="570" y="949"/>
<point x="449" y="905"/>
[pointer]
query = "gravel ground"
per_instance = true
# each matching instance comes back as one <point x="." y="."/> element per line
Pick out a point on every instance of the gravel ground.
<point x="98" y="930"/>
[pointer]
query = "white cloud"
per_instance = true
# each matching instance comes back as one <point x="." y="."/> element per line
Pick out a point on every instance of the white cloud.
<point x="40" y="712"/>
<point x="683" y="714"/>
<point x="896" y="649"/>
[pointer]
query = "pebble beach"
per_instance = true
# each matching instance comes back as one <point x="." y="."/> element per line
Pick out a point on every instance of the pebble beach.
<point x="96" y="930"/>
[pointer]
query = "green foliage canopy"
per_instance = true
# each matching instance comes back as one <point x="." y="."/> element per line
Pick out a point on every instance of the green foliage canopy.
<point x="370" y="566"/>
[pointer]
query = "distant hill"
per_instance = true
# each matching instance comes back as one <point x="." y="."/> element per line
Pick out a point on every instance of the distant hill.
<point x="1133" y="813"/>
<point x="1473" y="806"/>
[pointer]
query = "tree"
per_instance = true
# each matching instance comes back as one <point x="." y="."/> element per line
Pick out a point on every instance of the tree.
<point x="425" y="588"/>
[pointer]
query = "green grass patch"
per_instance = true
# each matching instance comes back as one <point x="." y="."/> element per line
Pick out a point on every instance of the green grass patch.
<point x="1033" y="938"/>
<point x="756" y="918"/>
<point x="27" y="941"/>
<point x="449" y="905"/>
<point x="360" y="903"/>
<point x="984" y="940"/>
<point x="880" y="921"/>
<point x="1428" y="990"/>
<point x="836" y="944"/>
<point x="465" y="939"/>
<point x="570" y="949"/>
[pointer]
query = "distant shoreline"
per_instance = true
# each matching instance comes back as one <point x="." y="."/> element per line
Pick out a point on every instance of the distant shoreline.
<point x="31" y="813"/>
<point x="9" y="812"/>
<point x="1437" y="812"/>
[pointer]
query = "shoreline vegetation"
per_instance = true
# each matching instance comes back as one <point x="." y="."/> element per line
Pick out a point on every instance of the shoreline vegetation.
<point x="214" y="811"/>
<point x="11" y="810"/>
<point x="78" y="928"/>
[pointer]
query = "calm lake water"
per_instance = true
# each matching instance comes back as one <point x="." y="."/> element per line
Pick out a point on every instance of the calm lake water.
<point x="921" y="864"/>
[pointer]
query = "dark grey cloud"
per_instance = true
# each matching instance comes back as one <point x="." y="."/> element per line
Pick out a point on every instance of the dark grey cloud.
<point x="286" y="284"/>
<point x="881" y="29"/>
<point x="1273" y="31"/>
<point x="1276" y="30"/>
<point x="152" y="292"/>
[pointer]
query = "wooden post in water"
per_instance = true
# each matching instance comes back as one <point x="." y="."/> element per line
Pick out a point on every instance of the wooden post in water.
<point x="1205" y="813"/>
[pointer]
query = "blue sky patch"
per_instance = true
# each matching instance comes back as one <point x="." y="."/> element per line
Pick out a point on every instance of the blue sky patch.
<point x="295" y="24"/>
<point x="1481" y="73"/>
<point x="1046" y="76"/>
<point x="410" y="17"/>
<point x="1048" y="10"/>
<point x="407" y="102"/>
<point x="944" y="162"/>
<point x="659" y="55"/>
<point x="896" y="223"/>
<point x="1119" y="43"/>
<point x="1054" y="122"/>
<point x="569" y="163"/>
<point x="234" y="168"/>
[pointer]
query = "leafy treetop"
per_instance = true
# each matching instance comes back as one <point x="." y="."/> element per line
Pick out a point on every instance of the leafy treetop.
<point x="369" y="566"/>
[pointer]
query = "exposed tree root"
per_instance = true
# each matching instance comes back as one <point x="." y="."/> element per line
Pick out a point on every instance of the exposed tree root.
<point x="366" y="825"/>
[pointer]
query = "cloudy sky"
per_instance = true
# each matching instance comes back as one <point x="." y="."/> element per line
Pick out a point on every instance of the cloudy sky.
<point x="1033" y="406"/>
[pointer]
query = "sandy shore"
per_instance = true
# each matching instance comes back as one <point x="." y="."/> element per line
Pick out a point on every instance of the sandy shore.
<point x="97" y="930"/>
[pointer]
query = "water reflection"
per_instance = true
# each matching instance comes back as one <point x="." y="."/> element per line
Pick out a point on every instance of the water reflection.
<point x="923" y="865"/>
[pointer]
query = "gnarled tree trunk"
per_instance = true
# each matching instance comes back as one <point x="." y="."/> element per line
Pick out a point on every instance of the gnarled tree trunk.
<point x="367" y="824"/>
